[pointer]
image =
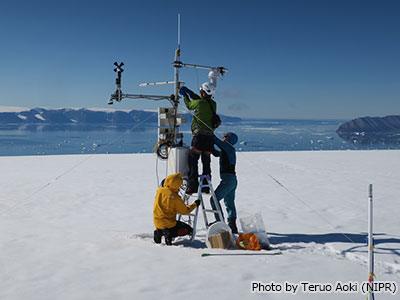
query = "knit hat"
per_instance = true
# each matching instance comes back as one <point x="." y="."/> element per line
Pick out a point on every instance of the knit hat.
<point x="232" y="138"/>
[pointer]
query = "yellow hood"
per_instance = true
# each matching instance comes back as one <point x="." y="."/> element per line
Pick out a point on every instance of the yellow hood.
<point x="174" y="181"/>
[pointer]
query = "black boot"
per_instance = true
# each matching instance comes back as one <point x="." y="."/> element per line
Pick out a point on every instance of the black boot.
<point x="157" y="236"/>
<point x="168" y="237"/>
<point x="191" y="190"/>
<point x="232" y="225"/>
<point x="205" y="190"/>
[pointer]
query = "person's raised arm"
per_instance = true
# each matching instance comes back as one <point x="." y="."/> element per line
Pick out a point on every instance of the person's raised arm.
<point x="221" y="144"/>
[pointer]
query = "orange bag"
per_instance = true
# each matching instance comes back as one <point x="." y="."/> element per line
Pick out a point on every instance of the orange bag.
<point x="248" y="241"/>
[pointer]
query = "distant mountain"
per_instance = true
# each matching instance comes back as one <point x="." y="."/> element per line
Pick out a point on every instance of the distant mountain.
<point x="371" y="130"/>
<point x="42" y="116"/>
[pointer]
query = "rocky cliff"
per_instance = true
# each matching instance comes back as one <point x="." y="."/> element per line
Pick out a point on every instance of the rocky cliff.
<point x="371" y="129"/>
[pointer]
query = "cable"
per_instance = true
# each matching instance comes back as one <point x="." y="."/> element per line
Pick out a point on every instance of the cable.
<point x="283" y="186"/>
<point x="288" y="190"/>
<point x="158" y="149"/>
<point x="197" y="74"/>
<point x="299" y="199"/>
<point x="25" y="200"/>
<point x="158" y="178"/>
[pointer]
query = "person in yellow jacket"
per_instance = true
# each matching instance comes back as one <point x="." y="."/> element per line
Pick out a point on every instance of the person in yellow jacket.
<point x="166" y="206"/>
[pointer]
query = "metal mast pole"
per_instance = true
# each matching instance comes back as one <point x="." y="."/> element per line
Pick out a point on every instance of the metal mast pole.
<point x="176" y="76"/>
<point x="370" y="245"/>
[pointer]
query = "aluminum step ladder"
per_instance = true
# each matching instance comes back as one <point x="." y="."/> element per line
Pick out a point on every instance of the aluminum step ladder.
<point x="205" y="181"/>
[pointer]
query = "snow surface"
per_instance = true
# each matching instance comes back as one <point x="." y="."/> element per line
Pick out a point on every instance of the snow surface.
<point x="80" y="227"/>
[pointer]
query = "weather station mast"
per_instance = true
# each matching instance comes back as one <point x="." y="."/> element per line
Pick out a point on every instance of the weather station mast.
<point x="169" y="121"/>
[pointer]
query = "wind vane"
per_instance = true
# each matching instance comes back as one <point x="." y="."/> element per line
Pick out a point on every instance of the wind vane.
<point x="167" y="116"/>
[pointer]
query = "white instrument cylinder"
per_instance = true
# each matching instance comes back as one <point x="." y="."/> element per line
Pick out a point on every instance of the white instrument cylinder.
<point x="178" y="161"/>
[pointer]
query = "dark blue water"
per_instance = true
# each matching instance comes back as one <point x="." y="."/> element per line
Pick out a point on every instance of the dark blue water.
<point x="254" y="135"/>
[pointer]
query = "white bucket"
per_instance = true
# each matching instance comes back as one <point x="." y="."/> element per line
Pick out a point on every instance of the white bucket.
<point x="217" y="228"/>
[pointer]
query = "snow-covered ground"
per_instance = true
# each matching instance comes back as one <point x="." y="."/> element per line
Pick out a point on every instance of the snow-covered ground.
<point x="80" y="227"/>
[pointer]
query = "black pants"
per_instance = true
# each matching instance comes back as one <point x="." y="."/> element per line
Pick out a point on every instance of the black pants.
<point x="179" y="229"/>
<point x="202" y="146"/>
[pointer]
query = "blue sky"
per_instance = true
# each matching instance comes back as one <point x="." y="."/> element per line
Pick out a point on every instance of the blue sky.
<point x="286" y="59"/>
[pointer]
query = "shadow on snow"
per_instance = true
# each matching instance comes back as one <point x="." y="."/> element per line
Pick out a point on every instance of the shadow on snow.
<point x="353" y="238"/>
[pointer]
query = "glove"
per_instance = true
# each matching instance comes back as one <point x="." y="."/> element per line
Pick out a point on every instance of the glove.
<point x="185" y="92"/>
<point x="198" y="201"/>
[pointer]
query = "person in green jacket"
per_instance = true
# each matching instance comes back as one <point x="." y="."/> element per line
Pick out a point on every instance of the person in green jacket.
<point x="203" y="133"/>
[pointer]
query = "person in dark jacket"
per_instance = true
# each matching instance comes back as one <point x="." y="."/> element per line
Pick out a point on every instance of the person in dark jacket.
<point x="227" y="187"/>
<point x="203" y="133"/>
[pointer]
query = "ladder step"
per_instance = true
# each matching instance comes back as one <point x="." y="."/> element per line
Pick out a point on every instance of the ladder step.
<point x="206" y="184"/>
<point x="211" y="210"/>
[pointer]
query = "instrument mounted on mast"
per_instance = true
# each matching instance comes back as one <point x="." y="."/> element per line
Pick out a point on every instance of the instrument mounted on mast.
<point x="118" y="95"/>
<point x="169" y="119"/>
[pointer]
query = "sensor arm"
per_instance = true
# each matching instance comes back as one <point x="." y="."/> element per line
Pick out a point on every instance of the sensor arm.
<point x="179" y="64"/>
<point x="118" y="95"/>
